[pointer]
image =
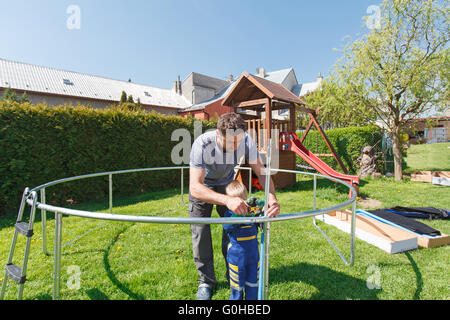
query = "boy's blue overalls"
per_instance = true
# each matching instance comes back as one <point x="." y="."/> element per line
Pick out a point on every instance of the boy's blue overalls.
<point x="243" y="259"/>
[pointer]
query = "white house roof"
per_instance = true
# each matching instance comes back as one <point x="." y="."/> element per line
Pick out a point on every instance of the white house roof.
<point x="32" y="78"/>
<point x="278" y="76"/>
<point x="304" y="88"/>
<point x="220" y="95"/>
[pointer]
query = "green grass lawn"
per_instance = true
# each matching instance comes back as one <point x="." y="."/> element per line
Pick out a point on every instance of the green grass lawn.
<point x="151" y="261"/>
<point x="431" y="157"/>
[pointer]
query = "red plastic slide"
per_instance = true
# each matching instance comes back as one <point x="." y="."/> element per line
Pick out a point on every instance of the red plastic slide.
<point x="290" y="141"/>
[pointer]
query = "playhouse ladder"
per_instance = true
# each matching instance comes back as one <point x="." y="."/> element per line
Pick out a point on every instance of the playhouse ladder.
<point x="12" y="271"/>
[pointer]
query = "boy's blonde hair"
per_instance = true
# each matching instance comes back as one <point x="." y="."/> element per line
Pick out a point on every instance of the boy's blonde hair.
<point x="236" y="189"/>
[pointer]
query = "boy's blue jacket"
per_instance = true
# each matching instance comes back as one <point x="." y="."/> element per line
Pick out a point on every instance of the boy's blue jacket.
<point x="242" y="259"/>
<point x="240" y="232"/>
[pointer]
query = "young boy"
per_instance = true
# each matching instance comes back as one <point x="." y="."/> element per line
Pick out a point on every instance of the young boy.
<point x="243" y="253"/>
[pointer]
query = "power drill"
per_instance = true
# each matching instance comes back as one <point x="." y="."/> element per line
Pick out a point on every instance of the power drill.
<point x="255" y="208"/>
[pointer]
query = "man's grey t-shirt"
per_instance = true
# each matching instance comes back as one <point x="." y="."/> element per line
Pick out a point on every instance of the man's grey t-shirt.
<point x="206" y="154"/>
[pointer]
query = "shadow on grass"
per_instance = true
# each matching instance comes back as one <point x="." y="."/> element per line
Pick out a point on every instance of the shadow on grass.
<point x="419" y="280"/>
<point x="96" y="294"/>
<point x="330" y="284"/>
<point x="110" y="273"/>
<point x="44" y="296"/>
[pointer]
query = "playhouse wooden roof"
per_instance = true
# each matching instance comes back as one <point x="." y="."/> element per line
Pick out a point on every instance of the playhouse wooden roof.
<point x="250" y="88"/>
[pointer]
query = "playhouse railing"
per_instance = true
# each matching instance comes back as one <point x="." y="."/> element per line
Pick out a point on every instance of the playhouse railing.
<point x="256" y="129"/>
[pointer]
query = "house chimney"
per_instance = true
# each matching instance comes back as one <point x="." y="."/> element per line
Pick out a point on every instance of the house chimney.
<point x="319" y="77"/>
<point x="177" y="86"/>
<point x="230" y="78"/>
<point x="260" y="72"/>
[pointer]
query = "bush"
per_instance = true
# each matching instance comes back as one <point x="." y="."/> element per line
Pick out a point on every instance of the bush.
<point x="39" y="144"/>
<point x="348" y="143"/>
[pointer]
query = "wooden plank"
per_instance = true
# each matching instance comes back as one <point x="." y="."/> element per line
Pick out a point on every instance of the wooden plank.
<point x="304" y="109"/>
<point x="251" y="103"/>
<point x="394" y="231"/>
<point x="425" y="242"/>
<point x="328" y="143"/>
<point x="442" y="174"/>
<point x="323" y="154"/>
<point x="310" y="124"/>
<point x="268" y="121"/>
<point x="381" y="235"/>
<point x="291" y="127"/>
<point x="422" y="176"/>
<point x="254" y="130"/>
<point x="427" y="176"/>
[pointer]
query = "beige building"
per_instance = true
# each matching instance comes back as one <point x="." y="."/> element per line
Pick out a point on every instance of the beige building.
<point x="197" y="95"/>
<point x="56" y="87"/>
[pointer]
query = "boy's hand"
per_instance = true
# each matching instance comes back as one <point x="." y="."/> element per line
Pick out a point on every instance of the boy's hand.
<point x="237" y="205"/>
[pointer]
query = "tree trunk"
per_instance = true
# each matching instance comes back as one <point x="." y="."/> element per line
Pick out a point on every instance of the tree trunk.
<point x="397" y="149"/>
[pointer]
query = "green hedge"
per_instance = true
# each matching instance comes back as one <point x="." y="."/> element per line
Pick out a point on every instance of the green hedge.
<point x="348" y="143"/>
<point x="39" y="144"/>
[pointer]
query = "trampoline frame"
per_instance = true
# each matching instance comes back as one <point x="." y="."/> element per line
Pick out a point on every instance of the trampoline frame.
<point x="30" y="197"/>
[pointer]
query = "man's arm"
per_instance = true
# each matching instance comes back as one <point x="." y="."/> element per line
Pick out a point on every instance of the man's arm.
<point x="260" y="170"/>
<point x="200" y="191"/>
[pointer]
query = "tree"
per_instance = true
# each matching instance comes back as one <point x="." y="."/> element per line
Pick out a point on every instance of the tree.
<point x="401" y="70"/>
<point x="339" y="107"/>
<point x="130" y="99"/>
<point x="24" y="98"/>
<point x="123" y="97"/>
<point x="139" y="104"/>
<point x="9" y="94"/>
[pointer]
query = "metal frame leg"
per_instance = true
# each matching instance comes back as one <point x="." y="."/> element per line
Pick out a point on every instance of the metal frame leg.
<point x="182" y="187"/>
<point x="14" y="240"/>
<point x="57" y="257"/>
<point x="27" y="246"/>
<point x="352" y="232"/>
<point x="44" y="224"/>
<point x="264" y="281"/>
<point x="266" y="261"/>
<point x="110" y="194"/>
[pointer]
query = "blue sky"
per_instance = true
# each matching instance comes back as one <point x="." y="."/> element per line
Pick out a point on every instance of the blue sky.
<point x="152" y="42"/>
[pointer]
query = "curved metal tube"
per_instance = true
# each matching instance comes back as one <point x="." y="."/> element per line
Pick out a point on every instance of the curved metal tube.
<point x="177" y="220"/>
<point x="59" y="211"/>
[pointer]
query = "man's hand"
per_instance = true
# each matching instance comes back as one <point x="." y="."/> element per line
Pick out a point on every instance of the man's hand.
<point x="274" y="209"/>
<point x="237" y="205"/>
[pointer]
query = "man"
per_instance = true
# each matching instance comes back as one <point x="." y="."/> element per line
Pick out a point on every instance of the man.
<point x="212" y="160"/>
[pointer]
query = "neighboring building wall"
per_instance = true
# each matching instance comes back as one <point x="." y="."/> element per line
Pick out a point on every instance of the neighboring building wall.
<point x="199" y="114"/>
<point x="216" y="109"/>
<point x="290" y="81"/>
<point x="54" y="100"/>
<point x="197" y="87"/>
<point x="60" y="100"/>
<point x="212" y="110"/>
<point x="416" y="128"/>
